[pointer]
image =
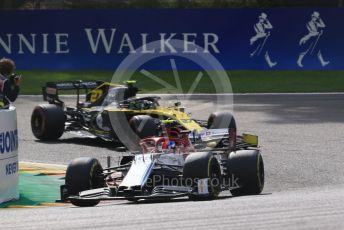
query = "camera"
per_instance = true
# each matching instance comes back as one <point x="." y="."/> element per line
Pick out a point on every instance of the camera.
<point x="14" y="77"/>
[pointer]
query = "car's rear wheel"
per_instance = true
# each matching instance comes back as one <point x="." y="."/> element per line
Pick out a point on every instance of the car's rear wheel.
<point x="246" y="171"/>
<point x="47" y="122"/>
<point x="202" y="166"/>
<point x="83" y="174"/>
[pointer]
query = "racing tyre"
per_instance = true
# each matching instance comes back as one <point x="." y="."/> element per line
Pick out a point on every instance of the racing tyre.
<point x="144" y="126"/>
<point x="221" y="120"/>
<point x="224" y="120"/>
<point x="83" y="174"/>
<point x="47" y="122"/>
<point x="203" y="165"/>
<point x="246" y="169"/>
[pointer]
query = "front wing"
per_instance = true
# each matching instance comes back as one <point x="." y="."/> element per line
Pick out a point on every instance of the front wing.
<point x="159" y="193"/>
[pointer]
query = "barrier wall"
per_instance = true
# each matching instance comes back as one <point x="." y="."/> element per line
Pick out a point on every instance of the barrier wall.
<point x="279" y="38"/>
<point x="8" y="155"/>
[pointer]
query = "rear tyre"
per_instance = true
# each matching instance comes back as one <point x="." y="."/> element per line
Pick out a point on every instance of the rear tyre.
<point x="203" y="165"/>
<point x="246" y="167"/>
<point x="47" y="122"/>
<point x="144" y="126"/>
<point x="83" y="174"/>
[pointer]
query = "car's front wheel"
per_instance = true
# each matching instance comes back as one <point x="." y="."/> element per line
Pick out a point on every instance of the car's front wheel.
<point x="83" y="174"/>
<point x="202" y="172"/>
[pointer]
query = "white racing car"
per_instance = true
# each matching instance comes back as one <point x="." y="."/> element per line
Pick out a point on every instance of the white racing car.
<point x="174" y="163"/>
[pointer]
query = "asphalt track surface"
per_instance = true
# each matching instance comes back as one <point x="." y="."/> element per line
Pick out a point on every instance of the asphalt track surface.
<point x="301" y="138"/>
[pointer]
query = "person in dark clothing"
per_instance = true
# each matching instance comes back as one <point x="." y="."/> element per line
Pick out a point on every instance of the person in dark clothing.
<point x="9" y="83"/>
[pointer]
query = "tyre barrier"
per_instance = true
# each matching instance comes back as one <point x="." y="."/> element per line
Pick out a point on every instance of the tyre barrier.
<point x="8" y="155"/>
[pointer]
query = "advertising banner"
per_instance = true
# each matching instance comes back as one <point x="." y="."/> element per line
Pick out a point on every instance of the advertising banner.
<point x="8" y="155"/>
<point x="257" y="39"/>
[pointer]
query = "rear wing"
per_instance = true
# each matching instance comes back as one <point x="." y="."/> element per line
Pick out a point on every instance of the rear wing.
<point x="51" y="89"/>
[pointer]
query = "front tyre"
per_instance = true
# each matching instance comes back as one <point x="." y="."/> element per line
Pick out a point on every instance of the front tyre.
<point x="224" y="120"/>
<point x="143" y="126"/>
<point x="246" y="171"/>
<point x="203" y="165"/>
<point x="221" y="120"/>
<point x="83" y="174"/>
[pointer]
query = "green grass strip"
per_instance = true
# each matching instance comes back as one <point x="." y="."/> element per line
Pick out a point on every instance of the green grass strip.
<point x="241" y="81"/>
<point x="36" y="189"/>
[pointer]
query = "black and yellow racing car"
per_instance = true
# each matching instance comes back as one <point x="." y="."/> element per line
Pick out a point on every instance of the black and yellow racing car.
<point x="113" y="112"/>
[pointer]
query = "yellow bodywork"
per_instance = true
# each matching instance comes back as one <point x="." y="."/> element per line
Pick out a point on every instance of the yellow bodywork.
<point x="250" y="139"/>
<point x="166" y="112"/>
<point x="163" y="113"/>
<point x="172" y="113"/>
<point x="96" y="93"/>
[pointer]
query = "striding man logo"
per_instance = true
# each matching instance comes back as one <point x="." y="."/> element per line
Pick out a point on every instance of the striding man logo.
<point x="259" y="41"/>
<point x="311" y="41"/>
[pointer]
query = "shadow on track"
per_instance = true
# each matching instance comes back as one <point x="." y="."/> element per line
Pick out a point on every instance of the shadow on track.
<point x="294" y="109"/>
<point x="178" y="200"/>
<point x="85" y="141"/>
<point x="281" y="109"/>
